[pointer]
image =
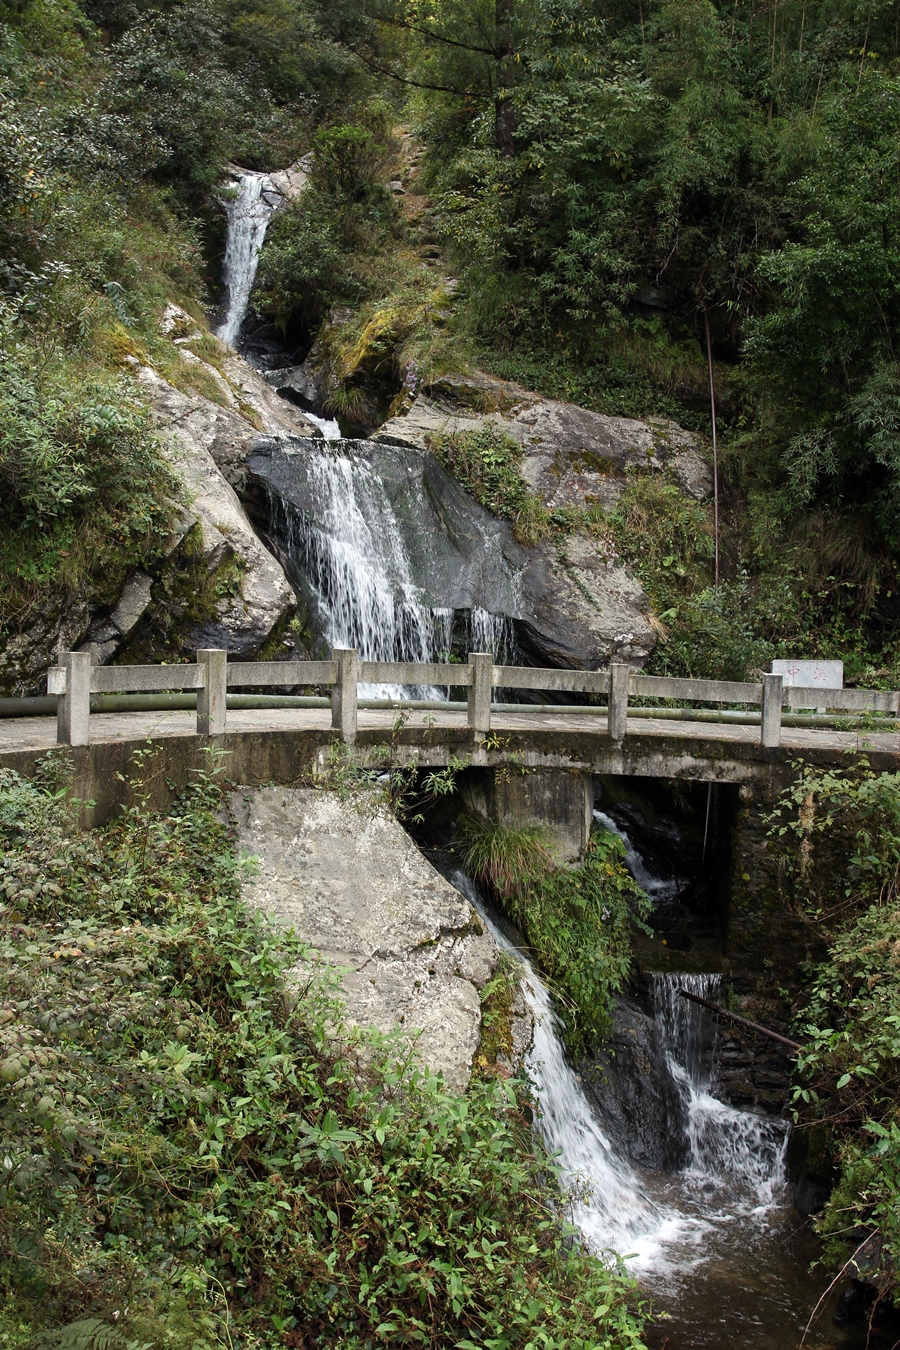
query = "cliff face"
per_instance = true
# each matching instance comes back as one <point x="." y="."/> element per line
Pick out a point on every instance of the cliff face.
<point x="411" y="953"/>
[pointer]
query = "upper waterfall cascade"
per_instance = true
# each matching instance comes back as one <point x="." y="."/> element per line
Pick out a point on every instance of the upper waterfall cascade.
<point x="249" y="213"/>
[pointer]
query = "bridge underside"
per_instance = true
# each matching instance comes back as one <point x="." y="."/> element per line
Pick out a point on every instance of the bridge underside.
<point x="287" y="749"/>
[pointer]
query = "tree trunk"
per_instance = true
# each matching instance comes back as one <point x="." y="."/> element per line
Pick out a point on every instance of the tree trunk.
<point x="504" y="112"/>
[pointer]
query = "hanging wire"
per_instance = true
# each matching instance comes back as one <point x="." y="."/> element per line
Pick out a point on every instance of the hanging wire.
<point x="712" y="404"/>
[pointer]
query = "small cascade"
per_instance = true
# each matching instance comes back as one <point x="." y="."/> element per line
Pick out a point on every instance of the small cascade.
<point x="327" y="425"/>
<point x="736" y="1150"/>
<point x="659" y="889"/>
<point x="493" y="633"/>
<point x="349" y="545"/>
<point x="664" y="1225"/>
<point x="249" y="213"/>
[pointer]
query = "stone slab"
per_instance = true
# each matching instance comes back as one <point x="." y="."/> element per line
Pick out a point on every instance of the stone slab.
<point x="350" y="882"/>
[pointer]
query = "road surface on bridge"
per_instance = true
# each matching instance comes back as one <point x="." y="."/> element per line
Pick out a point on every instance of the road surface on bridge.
<point x="39" y="733"/>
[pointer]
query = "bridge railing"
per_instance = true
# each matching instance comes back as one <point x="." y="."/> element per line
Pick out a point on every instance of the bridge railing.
<point x="75" y="679"/>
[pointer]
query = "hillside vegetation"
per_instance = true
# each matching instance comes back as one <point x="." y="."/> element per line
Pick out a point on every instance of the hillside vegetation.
<point x="601" y="180"/>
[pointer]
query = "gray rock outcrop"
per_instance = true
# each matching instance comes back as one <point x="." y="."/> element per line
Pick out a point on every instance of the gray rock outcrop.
<point x="242" y="621"/>
<point x="635" y="1094"/>
<point x="572" y="605"/>
<point x="352" y="884"/>
<point x="572" y="455"/>
<point x="106" y="635"/>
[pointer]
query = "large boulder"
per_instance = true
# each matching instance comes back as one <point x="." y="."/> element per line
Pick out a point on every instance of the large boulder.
<point x="572" y="455"/>
<point x="571" y="605"/>
<point x="412" y="952"/>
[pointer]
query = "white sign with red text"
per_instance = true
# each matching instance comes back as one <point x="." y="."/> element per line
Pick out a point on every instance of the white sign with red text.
<point x="810" y="674"/>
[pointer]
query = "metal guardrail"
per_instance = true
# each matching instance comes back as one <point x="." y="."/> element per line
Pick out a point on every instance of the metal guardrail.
<point x="75" y="679"/>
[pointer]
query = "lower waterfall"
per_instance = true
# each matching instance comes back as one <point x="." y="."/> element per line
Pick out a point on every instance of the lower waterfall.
<point x="714" y="1245"/>
<point x="734" y="1154"/>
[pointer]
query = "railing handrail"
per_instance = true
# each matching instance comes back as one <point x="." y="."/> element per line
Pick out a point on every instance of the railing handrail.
<point x="76" y="678"/>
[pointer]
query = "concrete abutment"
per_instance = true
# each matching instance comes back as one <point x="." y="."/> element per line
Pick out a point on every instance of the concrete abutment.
<point x="557" y="801"/>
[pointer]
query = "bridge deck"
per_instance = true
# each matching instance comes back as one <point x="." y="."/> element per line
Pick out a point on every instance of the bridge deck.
<point x="39" y="733"/>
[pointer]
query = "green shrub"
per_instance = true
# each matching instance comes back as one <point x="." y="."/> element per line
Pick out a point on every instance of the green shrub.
<point x="196" y="1154"/>
<point x="576" y="920"/>
<point x="488" y="463"/>
<point x="840" y="854"/>
<point x="85" y="494"/>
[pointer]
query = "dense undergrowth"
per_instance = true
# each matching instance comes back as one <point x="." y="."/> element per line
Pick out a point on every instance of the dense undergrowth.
<point x="840" y="837"/>
<point x="578" y="921"/>
<point x="194" y="1153"/>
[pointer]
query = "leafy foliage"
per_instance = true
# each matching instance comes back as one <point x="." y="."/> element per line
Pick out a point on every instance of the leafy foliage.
<point x="488" y="464"/>
<point x="578" y="920"/>
<point x="196" y="1151"/>
<point x="316" y="250"/>
<point x="840" y="833"/>
<point x="86" y="494"/>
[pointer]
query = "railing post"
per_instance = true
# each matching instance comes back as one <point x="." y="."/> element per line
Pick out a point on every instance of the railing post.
<point x="73" y="711"/>
<point x="479" y="713"/>
<point x="770" y="719"/>
<point x="344" y="693"/>
<point x="619" y="680"/>
<point x="211" y="698"/>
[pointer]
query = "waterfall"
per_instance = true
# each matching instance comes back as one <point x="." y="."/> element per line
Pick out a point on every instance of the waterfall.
<point x="249" y="213"/>
<point x="731" y="1149"/>
<point x="349" y="546"/>
<point x="493" y="633"/>
<point x="609" y="1203"/>
<point x="661" y="1225"/>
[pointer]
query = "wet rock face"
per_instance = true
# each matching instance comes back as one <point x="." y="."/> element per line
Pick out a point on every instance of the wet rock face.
<point x="352" y="884"/>
<point x="570" y="606"/>
<point x="635" y="1095"/>
<point x="752" y="1072"/>
<point x="459" y="555"/>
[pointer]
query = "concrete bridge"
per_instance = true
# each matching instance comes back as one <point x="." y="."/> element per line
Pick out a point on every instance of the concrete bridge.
<point x="746" y="734"/>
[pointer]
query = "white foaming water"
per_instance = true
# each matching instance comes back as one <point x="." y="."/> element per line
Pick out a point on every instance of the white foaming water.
<point x="736" y="1158"/>
<point x="352" y="552"/>
<point x="249" y="213"/>
<point x="658" y="888"/>
<point x="609" y="1202"/>
<point x="737" y="1152"/>
<point x="327" y="425"/>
